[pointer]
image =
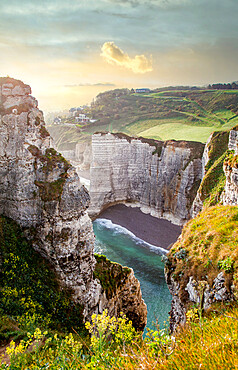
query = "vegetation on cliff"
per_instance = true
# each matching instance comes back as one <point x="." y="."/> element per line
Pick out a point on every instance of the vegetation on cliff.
<point x="207" y="246"/>
<point x="47" y="162"/>
<point x="214" y="179"/>
<point x="110" y="274"/>
<point x="29" y="291"/>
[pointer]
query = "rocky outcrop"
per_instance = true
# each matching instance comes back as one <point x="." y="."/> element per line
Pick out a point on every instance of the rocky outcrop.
<point x="230" y="194"/>
<point x="41" y="191"/>
<point x="198" y="203"/>
<point x="213" y="178"/>
<point x="233" y="141"/>
<point x="120" y="291"/>
<point x="177" y="314"/>
<point x="162" y="178"/>
<point x="202" y="267"/>
<point x="200" y="293"/>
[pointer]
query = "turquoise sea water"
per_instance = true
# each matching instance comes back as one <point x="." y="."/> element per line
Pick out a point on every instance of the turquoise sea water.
<point x="121" y="246"/>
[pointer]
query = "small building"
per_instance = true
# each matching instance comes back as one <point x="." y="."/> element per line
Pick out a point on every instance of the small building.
<point x="144" y="90"/>
<point x="82" y="118"/>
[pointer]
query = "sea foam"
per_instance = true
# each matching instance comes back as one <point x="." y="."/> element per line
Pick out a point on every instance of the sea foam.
<point x="116" y="230"/>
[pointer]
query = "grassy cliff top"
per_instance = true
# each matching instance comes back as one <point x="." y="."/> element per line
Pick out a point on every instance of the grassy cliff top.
<point x="207" y="246"/>
<point x="158" y="143"/>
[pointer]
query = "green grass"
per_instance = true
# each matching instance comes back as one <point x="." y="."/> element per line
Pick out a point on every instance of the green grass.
<point x="179" y="131"/>
<point x="231" y="91"/>
<point x="207" y="240"/>
<point x="206" y="343"/>
<point x="137" y="128"/>
<point x="225" y="114"/>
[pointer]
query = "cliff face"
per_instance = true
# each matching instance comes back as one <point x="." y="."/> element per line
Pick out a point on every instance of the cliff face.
<point x="162" y="178"/>
<point x="220" y="173"/>
<point x="230" y="194"/>
<point x="120" y="291"/>
<point x="41" y="191"/>
<point x="80" y="157"/>
<point x="213" y="180"/>
<point x="198" y="203"/>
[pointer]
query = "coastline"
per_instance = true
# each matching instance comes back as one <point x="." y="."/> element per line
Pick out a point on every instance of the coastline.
<point x="156" y="231"/>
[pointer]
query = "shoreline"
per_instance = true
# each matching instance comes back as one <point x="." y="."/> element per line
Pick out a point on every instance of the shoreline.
<point x="153" y="230"/>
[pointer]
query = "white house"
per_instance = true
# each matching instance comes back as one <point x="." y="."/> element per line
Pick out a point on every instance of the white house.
<point x="82" y="118"/>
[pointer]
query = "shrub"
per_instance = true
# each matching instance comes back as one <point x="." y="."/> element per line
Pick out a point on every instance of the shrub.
<point x="226" y="264"/>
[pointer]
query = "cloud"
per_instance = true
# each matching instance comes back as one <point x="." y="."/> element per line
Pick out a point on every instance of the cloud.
<point x="158" y="3"/>
<point x="89" y="84"/>
<point x="114" y="55"/>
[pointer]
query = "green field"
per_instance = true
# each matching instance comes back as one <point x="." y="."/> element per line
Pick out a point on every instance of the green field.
<point x="178" y="131"/>
<point x="163" y="115"/>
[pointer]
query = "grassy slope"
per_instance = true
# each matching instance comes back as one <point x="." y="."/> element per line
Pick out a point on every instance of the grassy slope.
<point x="208" y="245"/>
<point x="207" y="343"/>
<point x="180" y="115"/>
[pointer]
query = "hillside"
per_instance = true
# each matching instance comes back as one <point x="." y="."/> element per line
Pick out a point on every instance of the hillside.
<point x="163" y="115"/>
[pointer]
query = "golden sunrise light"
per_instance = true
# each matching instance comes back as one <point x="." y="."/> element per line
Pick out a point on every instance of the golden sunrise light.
<point x="70" y="51"/>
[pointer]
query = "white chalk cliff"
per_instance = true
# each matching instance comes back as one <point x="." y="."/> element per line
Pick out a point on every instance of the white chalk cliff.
<point x="161" y="178"/>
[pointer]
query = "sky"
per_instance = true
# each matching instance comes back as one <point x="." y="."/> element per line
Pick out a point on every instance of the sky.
<point x="70" y="50"/>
